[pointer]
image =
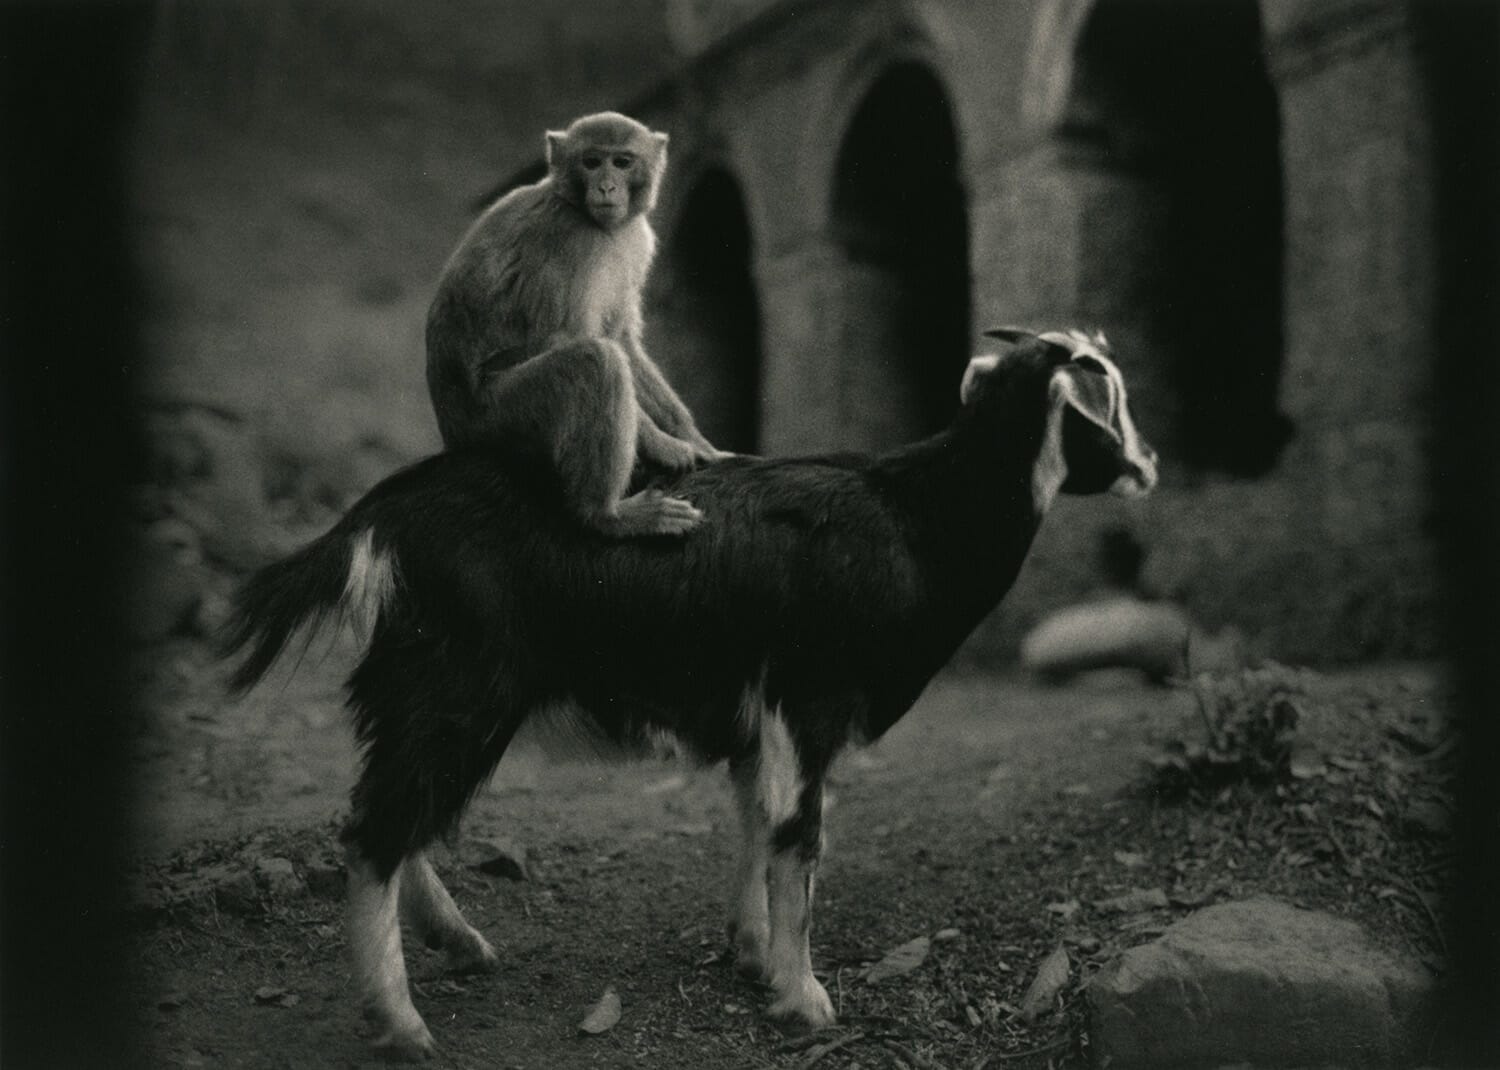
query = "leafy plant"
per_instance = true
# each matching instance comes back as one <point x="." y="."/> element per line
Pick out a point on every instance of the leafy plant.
<point x="1250" y="719"/>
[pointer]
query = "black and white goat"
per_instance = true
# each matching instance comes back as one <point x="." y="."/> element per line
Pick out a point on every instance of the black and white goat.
<point x="808" y="611"/>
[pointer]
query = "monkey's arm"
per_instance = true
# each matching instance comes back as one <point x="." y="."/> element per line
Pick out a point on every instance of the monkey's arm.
<point x="660" y="402"/>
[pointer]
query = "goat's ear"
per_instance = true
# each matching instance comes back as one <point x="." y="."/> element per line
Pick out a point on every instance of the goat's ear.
<point x="1059" y="346"/>
<point x="980" y="365"/>
<point x="1013" y="335"/>
<point x="1091" y="444"/>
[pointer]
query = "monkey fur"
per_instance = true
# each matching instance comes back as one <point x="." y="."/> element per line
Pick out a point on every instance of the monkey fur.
<point x="534" y="336"/>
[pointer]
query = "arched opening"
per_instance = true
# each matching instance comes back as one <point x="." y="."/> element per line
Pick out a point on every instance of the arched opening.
<point x="705" y="317"/>
<point x="901" y="223"/>
<point x="1173" y="105"/>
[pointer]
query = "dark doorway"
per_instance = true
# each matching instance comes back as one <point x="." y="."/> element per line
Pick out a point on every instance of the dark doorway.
<point x="901" y="222"/>
<point x="1174" y="100"/>
<point x="705" y="318"/>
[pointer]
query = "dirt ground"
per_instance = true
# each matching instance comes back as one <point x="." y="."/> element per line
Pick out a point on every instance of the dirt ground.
<point x="996" y="818"/>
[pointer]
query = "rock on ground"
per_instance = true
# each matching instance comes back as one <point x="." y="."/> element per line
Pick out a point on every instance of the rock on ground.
<point x="1263" y="983"/>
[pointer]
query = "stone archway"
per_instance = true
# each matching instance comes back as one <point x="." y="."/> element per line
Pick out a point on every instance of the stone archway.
<point x="704" y="320"/>
<point x="1172" y="118"/>
<point x="899" y="225"/>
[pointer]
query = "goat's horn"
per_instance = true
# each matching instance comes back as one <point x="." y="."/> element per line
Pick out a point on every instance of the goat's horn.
<point x="1013" y="335"/>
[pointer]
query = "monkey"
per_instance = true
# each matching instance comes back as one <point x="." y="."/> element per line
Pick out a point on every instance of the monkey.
<point x="534" y="334"/>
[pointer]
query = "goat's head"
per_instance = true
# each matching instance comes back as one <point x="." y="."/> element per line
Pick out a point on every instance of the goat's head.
<point x="1091" y="443"/>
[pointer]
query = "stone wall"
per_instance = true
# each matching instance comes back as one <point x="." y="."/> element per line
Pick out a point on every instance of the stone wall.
<point x="1261" y="259"/>
<point x="1243" y="206"/>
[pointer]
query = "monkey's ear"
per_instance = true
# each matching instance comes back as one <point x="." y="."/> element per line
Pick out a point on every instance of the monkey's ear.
<point x="556" y="139"/>
<point x="660" y="141"/>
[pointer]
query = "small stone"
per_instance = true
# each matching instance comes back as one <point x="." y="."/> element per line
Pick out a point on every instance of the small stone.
<point x="325" y="880"/>
<point x="1427" y="817"/>
<point x="942" y="936"/>
<point x="278" y="878"/>
<point x="234" y="890"/>
<point x="171" y="1001"/>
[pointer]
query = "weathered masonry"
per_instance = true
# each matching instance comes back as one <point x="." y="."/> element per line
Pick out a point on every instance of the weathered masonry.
<point x="1238" y="193"/>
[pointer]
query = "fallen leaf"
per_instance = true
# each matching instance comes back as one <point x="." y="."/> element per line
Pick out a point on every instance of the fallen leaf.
<point x="171" y="1001"/>
<point x="269" y="994"/>
<point x="604" y="1014"/>
<point x="1050" y="978"/>
<point x="498" y="858"/>
<point x="1130" y="859"/>
<point x="942" y="936"/>
<point x="901" y="960"/>
<point x="1132" y="901"/>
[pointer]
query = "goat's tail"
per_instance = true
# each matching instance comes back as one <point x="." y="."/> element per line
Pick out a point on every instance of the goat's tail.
<point x="341" y="571"/>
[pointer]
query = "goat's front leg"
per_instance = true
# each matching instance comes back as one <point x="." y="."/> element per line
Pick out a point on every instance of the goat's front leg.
<point x="799" y="999"/>
<point x="428" y="908"/>
<point x="379" y="966"/>
<point x="750" y="921"/>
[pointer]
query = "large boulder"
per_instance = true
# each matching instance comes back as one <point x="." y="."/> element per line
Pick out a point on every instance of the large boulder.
<point x="1260" y="983"/>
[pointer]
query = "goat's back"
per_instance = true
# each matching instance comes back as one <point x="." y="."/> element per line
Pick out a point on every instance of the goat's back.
<point x="797" y="562"/>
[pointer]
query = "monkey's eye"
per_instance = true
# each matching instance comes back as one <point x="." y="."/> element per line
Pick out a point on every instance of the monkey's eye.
<point x="623" y="162"/>
<point x="591" y="161"/>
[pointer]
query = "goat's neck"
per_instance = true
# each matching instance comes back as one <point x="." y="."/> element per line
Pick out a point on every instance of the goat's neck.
<point x="966" y="497"/>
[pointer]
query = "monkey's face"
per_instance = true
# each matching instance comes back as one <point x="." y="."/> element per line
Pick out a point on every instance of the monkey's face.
<point x="609" y="166"/>
<point x="611" y="183"/>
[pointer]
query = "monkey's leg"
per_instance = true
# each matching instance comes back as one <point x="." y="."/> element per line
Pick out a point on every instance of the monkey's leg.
<point x="428" y="908"/>
<point x="582" y="397"/>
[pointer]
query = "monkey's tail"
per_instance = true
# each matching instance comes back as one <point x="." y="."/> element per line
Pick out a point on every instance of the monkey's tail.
<point x="279" y="599"/>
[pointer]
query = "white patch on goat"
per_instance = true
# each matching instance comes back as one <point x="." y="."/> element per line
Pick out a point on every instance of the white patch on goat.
<point x="980" y="364"/>
<point x="374" y="933"/>
<point x="371" y="583"/>
<point x="664" y="744"/>
<point x="797" y="994"/>
<point x="779" y="773"/>
<point x="1051" y="469"/>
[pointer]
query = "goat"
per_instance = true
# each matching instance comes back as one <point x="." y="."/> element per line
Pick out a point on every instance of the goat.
<point x="809" y="612"/>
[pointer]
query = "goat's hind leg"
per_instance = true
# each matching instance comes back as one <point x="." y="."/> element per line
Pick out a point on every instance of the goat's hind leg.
<point x="431" y="912"/>
<point x="374" y="932"/>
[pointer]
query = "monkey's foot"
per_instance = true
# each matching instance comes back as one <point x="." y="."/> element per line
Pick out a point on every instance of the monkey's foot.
<point x="652" y="513"/>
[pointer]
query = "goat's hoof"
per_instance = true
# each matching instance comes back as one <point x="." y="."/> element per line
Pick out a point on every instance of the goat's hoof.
<point x="472" y="954"/>
<point x="405" y="1044"/>
<point x="805" y="1008"/>
<point x="751" y="944"/>
<point x="751" y="967"/>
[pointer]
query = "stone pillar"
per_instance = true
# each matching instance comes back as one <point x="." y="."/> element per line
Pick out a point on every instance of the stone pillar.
<point x="1359" y="311"/>
<point x="800" y="307"/>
